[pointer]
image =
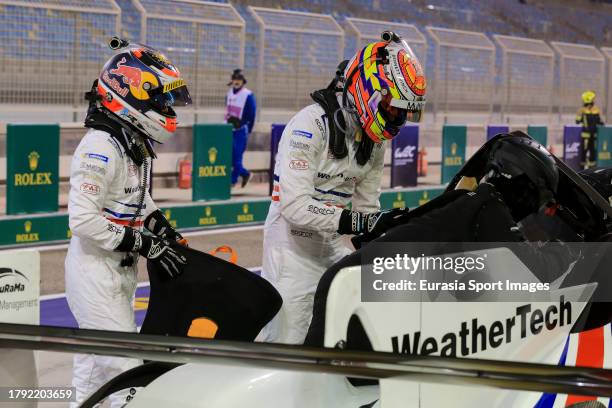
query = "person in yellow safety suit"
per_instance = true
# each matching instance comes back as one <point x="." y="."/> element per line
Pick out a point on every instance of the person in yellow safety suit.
<point x="589" y="117"/>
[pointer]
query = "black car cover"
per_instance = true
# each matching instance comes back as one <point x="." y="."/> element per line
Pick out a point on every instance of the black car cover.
<point x="238" y="301"/>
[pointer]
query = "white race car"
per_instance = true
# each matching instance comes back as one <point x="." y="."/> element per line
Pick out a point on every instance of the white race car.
<point x="569" y="327"/>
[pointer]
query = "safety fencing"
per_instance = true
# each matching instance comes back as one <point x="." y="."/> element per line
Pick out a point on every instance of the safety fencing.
<point x="526" y="75"/>
<point x="297" y="53"/>
<point x="205" y="40"/>
<point x="607" y="51"/>
<point x="53" y="49"/>
<point x="51" y="52"/>
<point x="360" y="32"/>
<point x="464" y="71"/>
<point x="579" y="68"/>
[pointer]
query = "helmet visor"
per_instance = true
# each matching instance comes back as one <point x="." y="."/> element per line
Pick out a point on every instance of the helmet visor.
<point x="397" y="112"/>
<point x="413" y="109"/>
<point x="162" y="99"/>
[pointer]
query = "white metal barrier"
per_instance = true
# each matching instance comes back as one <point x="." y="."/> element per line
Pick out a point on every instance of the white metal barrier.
<point x="464" y="70"/>
<point x="205" y="41"/>
<point x="360" y="32"/>
<point x="51" y="51"/>
<point x="298" y="53"/>
<point x="607" y="51"/>
<point x="527" y="75"/>
<point x="580" y="68"/>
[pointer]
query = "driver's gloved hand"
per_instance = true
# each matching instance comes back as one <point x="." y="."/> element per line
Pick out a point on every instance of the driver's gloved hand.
<point x="373" y="224"/>
<point x="157" y="223"/>
<point x="155" y="249"/>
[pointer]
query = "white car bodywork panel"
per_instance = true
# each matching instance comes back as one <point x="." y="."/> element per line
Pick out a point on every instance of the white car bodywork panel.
<point x="229" y="386"/>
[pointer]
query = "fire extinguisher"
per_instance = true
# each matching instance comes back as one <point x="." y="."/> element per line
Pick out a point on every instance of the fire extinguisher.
<point x="184" y="173"/>
<point x="422" y="163"/>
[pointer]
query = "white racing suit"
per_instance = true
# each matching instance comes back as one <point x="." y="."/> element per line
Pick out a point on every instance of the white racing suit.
<point x="300" y="240"/>
<point x="104" y="193"/>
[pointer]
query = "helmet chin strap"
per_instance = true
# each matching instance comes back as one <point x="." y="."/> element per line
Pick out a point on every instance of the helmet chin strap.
<point x="350" y="118"/>
<point x="136" y="145"/>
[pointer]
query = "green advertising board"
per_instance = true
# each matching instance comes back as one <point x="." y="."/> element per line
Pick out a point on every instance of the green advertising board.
<point x="408" y="198"/>
<point x="604" y="146"/>
<point x="212" y="162"/>
<point x="454" y="139"/>
<point x="38" y="229"/>
<point x="539" y="133"/>
<point x="32" y="168"/>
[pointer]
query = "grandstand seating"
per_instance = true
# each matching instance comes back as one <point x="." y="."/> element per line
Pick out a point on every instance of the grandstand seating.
<point x="65" y="40"/>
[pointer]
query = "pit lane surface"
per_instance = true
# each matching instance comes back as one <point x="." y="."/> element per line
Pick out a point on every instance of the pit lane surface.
<point x="246" y="241"/>
<point x="54" y="311"/>
<point x="55" y="369"/>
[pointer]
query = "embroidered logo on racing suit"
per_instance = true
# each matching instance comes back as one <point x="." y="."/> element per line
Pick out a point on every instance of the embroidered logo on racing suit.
<point x="93" y="168"/>
<point x="319" y="210"/>
<point x="115" y="229"/>
<point x="95" y="156"/>
<point x="299" y="165"/>
<point x="88" y="188"/>
<point x="302" y="133"/>
<point x="301" y="234"/>
<point x="294" y="144"/>
<point x="326" y="176"/>
<point x="131" y="190"/>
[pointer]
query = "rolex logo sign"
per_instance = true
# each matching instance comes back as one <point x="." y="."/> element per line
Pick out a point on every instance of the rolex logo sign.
<point x="208" y="218"/>
<point x="604" y="153"/>
<point x="453" y="159"/>
<point x="33" y="160"/>
<point x="212" y="170"/>
<point x="212" y="155"/>
<point x="245" y="216"/>
<point x="425" y="198"/>
<point x="399" y="201"/>
<point x="33" y="178"/>
<point x="27" y="235"/>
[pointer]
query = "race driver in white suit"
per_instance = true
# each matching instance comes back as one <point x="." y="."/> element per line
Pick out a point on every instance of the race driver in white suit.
<point x="331" y="154"/>
<point x="109" y="202"/>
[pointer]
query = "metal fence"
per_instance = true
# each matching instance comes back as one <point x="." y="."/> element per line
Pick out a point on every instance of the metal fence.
<point x="51" y="51"/>
<point x="580" y="67"/>
<point x="298" y="53"/>
<point x="526" y="76"/>
<point x="464" y="71"/>
<point x="607" y="51"/>
<point x="205" y="41"/>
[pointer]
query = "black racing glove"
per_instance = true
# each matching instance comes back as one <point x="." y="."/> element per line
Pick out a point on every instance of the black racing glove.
<point x="374" y="224"/>
<point x="157" y="223"/>
<point x="155" y="249"/>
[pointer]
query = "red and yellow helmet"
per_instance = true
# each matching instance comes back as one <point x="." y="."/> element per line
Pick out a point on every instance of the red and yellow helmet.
<point x="141" y="86"/>
<point x="385" y="86"/>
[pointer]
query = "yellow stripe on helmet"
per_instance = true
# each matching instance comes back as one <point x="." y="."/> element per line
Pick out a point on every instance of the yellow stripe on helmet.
<point x="174" y="85"/>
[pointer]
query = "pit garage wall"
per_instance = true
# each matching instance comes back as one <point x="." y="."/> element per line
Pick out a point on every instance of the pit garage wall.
<point x="53" y="228"/>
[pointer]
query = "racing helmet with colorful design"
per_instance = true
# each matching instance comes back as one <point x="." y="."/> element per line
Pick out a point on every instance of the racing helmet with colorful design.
<point x="140" y="86"/>
<point x="385" y="87"/>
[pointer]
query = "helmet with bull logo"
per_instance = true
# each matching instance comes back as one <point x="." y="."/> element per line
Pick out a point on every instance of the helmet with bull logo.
<point x="140" y="86"/>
